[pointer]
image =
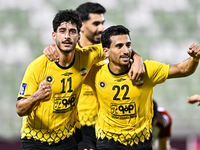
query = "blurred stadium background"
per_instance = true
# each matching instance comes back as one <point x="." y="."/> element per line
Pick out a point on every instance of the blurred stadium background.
<point x="161" y="30"/>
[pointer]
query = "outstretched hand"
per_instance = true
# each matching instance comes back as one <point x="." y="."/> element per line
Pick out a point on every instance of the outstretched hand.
<point x="193" y="99"/>
<point x="51" y="53"/>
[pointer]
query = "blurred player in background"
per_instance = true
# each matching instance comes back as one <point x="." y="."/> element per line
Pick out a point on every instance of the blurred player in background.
<point x="92" y="17"/>
<point x="162" y="123"/>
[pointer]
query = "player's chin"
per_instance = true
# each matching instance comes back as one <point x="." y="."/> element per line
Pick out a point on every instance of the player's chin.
<point x="97" y="40"/>
<point x="125" y="63"/>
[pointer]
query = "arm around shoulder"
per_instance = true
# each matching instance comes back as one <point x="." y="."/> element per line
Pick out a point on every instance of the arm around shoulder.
<point x="137" y="69"/>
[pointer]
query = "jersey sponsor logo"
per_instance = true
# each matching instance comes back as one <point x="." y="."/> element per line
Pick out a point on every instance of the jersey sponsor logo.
<point x="83" y="72"/>
<point x="120" y="80"/>
<point x="67" y="74"/>
<point x="123" y="110"/>
<point x="50" y="78"/>
<point x="64" y="104"/>
<point x="23" y="88"/>
<point x="102" y="84"/>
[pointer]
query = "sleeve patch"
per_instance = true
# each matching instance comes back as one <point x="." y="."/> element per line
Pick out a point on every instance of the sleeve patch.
<point x="23" y="88"/>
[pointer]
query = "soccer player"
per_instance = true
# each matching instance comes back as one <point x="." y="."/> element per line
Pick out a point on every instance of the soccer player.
<point x="162" y="123"/>
<point x="50" y="90"/>
<point x="126" y="109"/>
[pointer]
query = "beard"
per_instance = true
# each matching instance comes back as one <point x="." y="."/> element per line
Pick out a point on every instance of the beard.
<point x="59" y="47"/>
<point x="95" y="40"/>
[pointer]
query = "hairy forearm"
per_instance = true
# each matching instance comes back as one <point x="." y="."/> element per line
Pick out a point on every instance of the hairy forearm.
<point x="188" y="67"/>
<point x="26" y="105"/>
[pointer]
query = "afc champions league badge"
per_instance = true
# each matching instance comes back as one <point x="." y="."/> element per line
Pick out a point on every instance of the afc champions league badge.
<point x="102" y="84"/>
<point x="50" y="78"/>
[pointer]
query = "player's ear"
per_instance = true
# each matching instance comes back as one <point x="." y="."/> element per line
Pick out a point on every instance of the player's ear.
<point x="83" y="27"/>
<point x="105" y="51"/>
<point x="79" y="37"/>
<point x="54" y="36"/>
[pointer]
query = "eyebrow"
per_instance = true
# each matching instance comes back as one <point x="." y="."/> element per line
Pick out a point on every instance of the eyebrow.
<point x="64" y="28"/>
<point x="99" y="21"/>
<point x="122" y="43"/>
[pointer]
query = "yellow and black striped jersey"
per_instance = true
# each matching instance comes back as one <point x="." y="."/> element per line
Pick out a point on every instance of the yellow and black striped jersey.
<point x="56" y="117"/>
<point x="126" y="108"/>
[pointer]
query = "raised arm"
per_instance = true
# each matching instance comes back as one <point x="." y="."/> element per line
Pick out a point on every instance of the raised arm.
<point x="24" y="106"/>
<point x="188" y="66"/>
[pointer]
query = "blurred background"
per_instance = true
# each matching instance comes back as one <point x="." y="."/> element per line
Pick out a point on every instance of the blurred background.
<point x="161" y="30"/>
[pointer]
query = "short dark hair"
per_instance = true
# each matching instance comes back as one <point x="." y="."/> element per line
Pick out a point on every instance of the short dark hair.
<point x="66" y="16"/>
<point x="112" y="31"/>
<point x="89" y="7"/>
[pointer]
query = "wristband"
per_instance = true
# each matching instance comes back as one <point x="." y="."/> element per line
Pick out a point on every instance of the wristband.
<point x="195" y="59"/>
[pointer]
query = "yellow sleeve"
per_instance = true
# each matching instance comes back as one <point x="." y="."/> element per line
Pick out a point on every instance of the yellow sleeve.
<point x="156" y="71"/>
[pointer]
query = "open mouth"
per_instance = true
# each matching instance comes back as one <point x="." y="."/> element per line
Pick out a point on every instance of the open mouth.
<point x="125" y="58"/>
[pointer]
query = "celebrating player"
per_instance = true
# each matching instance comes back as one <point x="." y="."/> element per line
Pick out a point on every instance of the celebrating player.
<point x="126" y="108"/>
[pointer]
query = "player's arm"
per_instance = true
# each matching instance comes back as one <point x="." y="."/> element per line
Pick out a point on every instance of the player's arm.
<point x="193" y="99"/>
<point x="163" y="143"/>
<point x="188" y="66"/>
<point x="24" y="106"/>
<point x="136" y="72"/>
<point x="137" y="69"/>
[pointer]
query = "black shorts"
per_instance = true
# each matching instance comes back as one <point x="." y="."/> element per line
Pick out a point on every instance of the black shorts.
<point x="106" y="144"/>
<point x="89" y="138"/>
<point x="70" y="143"/>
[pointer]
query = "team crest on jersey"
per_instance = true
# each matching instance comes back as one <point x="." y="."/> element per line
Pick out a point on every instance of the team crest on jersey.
<point x="139" y="83"/>
<point x="102" y="84"/>
<point x="23" y="88"/>
<point x="83" y="72"/>
<point x="50" y="78"/>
